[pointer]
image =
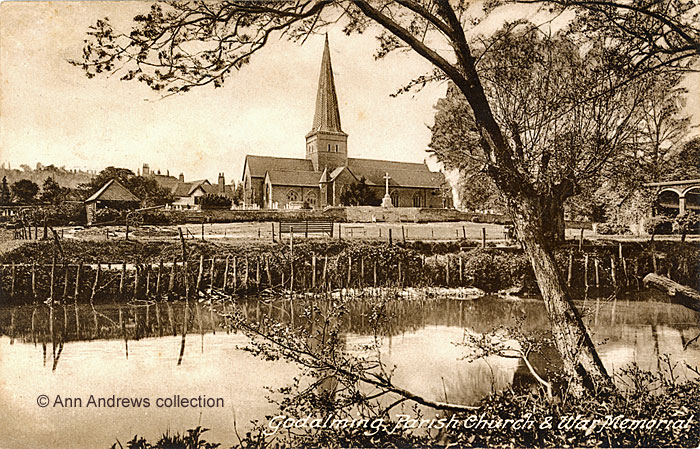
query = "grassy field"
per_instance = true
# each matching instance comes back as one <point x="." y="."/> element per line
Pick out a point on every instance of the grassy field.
<point x="446" y="231"/>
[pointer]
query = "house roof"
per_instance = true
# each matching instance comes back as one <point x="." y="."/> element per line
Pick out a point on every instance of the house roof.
<point x="113" y="191"/>
<point x="165" y="181"/>
<point x="258" y="165"/>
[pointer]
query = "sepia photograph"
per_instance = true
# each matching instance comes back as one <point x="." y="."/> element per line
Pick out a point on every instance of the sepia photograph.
<point x="349" y="224"/>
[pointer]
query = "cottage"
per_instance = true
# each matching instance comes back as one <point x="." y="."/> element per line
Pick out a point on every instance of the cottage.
<point x="111" y="195"/>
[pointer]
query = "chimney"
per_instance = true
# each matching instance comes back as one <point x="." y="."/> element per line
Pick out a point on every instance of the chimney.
<point x="146" y="170"/>
<point x="167" y="173"/>
<point x="222" y="183"/>
<point x="181" y="178"/>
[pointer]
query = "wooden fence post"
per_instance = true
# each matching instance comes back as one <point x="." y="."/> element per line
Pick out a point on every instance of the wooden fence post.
<point x="53" y="273"/>
<point x="403" y="234"/>
<point x="148" y="282"/>
<point x="447" y="271"/>
<point x="246" y="276"/>
<point x="77" y="281"/>
<point x="171" y="281"/>
<point x="34" y="279"/>
<point x="235" y="273"/>
<point x="122" y="280"/>
<point x="325" y="270"/>
<point x="580" y="241"/>
<point x="374" y="274"/>
<point x="95" y="284"/>
<point x="186" y="280"/>
<point x="65" y="281"/>
<point x="257" y="272"/>
<point x="461" y="271"/>
<point x="267" y="270"/>
<point x="273" y="231"/>
<point x="12" y="285"/>
<point x="199" y="273"/>
<point x="612" y="271"/>
<point x="571" y="268"/>
<point x="225" y="281"/>
<point x="212" y="273"/>
<point x="136" y="280"/>
<point x="349" y="271"/>
<point x="390" y="239"/>
<point x="313" y="271"/>
<point x="362" y="272"/>
<point x="160" y="270"/>
<point x="483" y="237"/>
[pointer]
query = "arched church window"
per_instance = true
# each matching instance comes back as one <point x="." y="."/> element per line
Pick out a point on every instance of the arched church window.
<point x="395" y="198"/>
<point x="336" y="148"/>
<point x="311" y="199"/>
<point x="292" y="195"/>
<point x="417" y="200"/>
<point x="329" y="147"/>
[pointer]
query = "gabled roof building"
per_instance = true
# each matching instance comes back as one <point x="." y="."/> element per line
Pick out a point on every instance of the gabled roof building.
<point x="111" y="195"/>
<point x="320" y="178"/>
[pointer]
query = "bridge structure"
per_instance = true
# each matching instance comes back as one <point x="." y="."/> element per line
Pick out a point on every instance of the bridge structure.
<point x="675" y="197"/>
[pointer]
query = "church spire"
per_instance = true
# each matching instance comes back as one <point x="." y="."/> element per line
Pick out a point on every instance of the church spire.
<point x="327" y="116"/>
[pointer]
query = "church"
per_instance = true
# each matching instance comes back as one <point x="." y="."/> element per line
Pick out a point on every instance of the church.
<point x="319" y="179"/>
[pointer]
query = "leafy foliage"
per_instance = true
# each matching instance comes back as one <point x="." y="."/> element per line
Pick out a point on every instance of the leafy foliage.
<point x="51" y="192"/>
<point x="360" y="194"/>
<point x="214" y="201"/>
<point x="144" y="187"/>
<point x="24" y="191"/>
<point x="4" y="192"/>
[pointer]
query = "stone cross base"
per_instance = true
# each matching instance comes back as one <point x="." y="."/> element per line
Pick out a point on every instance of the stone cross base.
<point x="386" y="201"/>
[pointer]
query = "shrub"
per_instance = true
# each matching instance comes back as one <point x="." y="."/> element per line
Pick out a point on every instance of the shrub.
<point x="658" y="225"/>
<point x="156" y="217"/>
<point x="688" y="223"/>
<point x="494" y="270"/>
<point x="613" y="229"/>
<point x="212" y="201"/>
<point x="107" y="215"/>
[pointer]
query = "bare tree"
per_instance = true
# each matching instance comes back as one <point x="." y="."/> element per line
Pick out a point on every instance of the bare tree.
<point x="181" y="45"/>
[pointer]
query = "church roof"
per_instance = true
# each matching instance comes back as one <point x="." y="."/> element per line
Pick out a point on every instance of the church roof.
<point x="294" y="178"/>
<point x="300" y="172"/>
<point x="403" y="174"/>
<point x="258" y="165"/>
<point x="327" y="115"/>
<point x="113" y="191"/>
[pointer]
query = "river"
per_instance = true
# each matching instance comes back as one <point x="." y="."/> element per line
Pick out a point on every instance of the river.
<point x="138" y="352"/>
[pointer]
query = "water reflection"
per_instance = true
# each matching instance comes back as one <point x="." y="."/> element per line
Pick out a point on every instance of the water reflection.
<point x="160" y="349"/>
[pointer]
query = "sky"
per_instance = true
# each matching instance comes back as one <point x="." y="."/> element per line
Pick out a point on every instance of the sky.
<point x="50" y="112"/>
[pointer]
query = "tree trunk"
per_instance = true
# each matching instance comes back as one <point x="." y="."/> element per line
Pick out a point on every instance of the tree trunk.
<point x="552" y="219"/>
<point x="678" y="293"/>
<point x="580" y="359"/>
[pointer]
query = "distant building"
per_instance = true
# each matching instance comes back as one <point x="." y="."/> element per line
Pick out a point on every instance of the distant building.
<point x="111" y="195"/>
<point x="320" y="179"/>
<point x="187" y="194"/>
<point x="672" y="198"/>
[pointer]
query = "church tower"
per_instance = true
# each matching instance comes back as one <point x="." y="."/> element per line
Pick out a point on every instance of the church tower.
<point x="326" y="143"/>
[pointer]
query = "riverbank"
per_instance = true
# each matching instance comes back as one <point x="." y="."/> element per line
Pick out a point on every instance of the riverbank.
<point x="68" y="270"/>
